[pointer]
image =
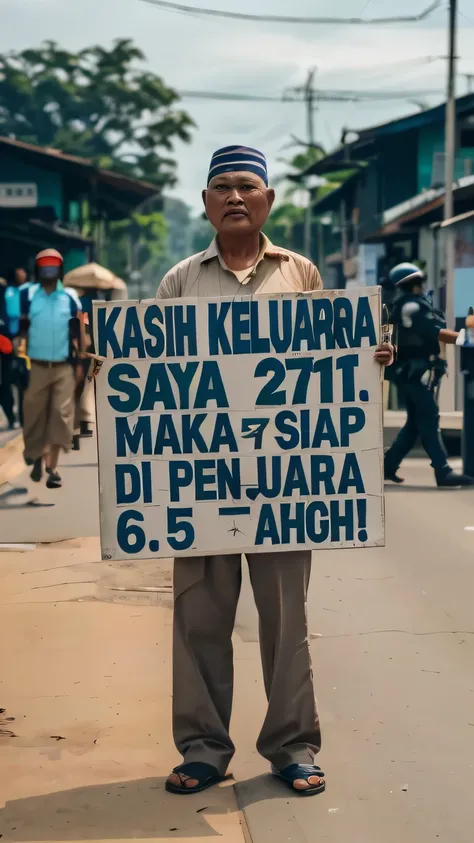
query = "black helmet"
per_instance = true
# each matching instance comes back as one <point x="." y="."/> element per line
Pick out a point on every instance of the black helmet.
<point x="406" y="273"/>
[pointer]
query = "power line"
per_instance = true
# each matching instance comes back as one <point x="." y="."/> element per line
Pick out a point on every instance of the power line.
<point x="220" y="13"/>
<point x="298" y="95"/>
<point x="216" y="95"/>
<point x="381" y="94"/>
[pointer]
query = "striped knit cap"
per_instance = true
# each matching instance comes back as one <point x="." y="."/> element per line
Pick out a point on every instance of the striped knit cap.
<point x="236" y="159"/>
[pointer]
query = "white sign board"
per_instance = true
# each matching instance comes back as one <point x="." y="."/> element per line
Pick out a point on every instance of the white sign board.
<point x="18" y="195"/>
<point x="237" y="425"/>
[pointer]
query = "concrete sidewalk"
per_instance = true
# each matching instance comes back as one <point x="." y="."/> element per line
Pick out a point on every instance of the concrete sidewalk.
<point x="392" y="640"/>
<point x="40" y="515"/>
<point x="86" y="659"/>
<point x="11" y="459"/>
<point x="85" y="735"/>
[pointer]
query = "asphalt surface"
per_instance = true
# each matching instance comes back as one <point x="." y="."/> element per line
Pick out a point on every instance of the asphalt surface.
<point x="392" y="638"/>
<point x="29" y="512"/>
<point x="394" y="673"/>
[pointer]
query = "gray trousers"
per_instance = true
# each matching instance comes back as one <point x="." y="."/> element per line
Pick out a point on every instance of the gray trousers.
<point x="206" y="591"/>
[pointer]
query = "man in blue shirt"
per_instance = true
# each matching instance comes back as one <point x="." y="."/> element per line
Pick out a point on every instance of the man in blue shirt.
<point x="52" y="315"/>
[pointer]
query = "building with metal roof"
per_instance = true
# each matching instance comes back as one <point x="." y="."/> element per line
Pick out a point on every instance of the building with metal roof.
<point x="395" y="186"/>
<point x="50" y="198"/>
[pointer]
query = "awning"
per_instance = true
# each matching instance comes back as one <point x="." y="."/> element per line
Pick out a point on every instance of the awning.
<point x="37" y="235"/>
<point x="362" y="148"/>
<point x="459" y="218"/>
<point x="60" y="234"/>
<point x="332" y="201"/>
<point x="425" y="202"/>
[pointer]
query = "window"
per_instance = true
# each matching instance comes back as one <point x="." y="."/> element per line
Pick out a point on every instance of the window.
<point x="466" y="139"/>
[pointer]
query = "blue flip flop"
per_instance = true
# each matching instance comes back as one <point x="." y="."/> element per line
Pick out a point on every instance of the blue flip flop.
<point x="301" y="771"/>
<point x="206" y="774"/>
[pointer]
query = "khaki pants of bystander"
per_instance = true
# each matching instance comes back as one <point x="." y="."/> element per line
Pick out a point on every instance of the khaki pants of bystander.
<point x="48" y="408"/>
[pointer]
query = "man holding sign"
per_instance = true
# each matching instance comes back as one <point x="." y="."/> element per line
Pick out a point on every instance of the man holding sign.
<point x="241" y="261"/>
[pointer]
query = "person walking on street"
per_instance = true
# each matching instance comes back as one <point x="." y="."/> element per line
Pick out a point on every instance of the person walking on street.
<point x="417" y="373"/>
<point x="241" y="260"/>
<point x="6" y="395"/>
<point x="53" y="330"/>
<point x="11" y="316"/>
<point x="19" y="365"/>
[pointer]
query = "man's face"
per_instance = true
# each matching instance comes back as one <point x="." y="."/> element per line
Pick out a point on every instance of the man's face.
<point x="238" y="203"/>
<point x="20" y="276"/>
<point x="48" y="277"/>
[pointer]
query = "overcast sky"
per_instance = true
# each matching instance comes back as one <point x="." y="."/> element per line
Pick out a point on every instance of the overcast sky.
<point x="195" y="53"/>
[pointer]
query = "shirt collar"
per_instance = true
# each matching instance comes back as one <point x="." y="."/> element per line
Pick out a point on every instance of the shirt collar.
<point x="267" y="250"/>
<point x="40" y="289"/>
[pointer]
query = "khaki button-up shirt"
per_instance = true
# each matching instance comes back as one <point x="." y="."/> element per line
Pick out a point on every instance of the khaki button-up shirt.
<point x="205" y="274"/>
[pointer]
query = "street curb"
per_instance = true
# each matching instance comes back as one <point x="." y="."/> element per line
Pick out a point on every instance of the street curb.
<point x="11" y="459"/>
<point x="245" y="827"/>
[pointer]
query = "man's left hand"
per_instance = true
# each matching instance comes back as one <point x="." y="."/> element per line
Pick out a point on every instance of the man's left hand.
<point x="384" y="354"/>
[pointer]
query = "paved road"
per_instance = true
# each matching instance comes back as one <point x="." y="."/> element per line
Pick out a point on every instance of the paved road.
<point x="393" y="650"/>
<point x="394" y="671"/>
<point x="40" y="515"/>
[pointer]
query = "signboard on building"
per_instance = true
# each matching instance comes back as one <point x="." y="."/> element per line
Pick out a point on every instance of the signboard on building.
<point x="238" y="425"/>
<point x="18" y="195"/>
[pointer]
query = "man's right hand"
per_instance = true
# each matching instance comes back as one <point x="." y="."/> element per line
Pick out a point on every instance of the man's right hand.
<point x="447" y="336"/>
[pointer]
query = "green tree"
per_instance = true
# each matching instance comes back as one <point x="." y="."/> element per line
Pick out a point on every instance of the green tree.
<point x="97" y="103"/>
<point x="280" y="226"/>
<point x="285" y="225"/>
<point x="300" y="163"/>
<point x="202" y="233"/>
<point x="288" y="213"/>
<point x="304" y="159"/>
<point x="136" y="243"/>
<point x="174" y="242"/>
<point x="178" y="219"/>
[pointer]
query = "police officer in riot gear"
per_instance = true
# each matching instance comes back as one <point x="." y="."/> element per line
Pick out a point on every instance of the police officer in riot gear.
<point x="417" y="372"/>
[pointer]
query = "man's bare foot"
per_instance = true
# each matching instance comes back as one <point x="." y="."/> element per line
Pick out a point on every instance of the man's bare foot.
<point x="312" y="781"/>
<point x="192" y="778"/>
<point x="306" y="779"/>
<point x="178" y="780"/>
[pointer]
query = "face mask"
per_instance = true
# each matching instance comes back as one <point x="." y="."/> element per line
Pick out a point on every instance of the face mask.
<point x="48" y="274"/>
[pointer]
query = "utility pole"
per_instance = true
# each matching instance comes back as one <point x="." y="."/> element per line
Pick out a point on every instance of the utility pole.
<point x="343" y="210"/>
<point x="309" y="99"/>
<point x="450" y="152"/>
<point x="309" y="96"/>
